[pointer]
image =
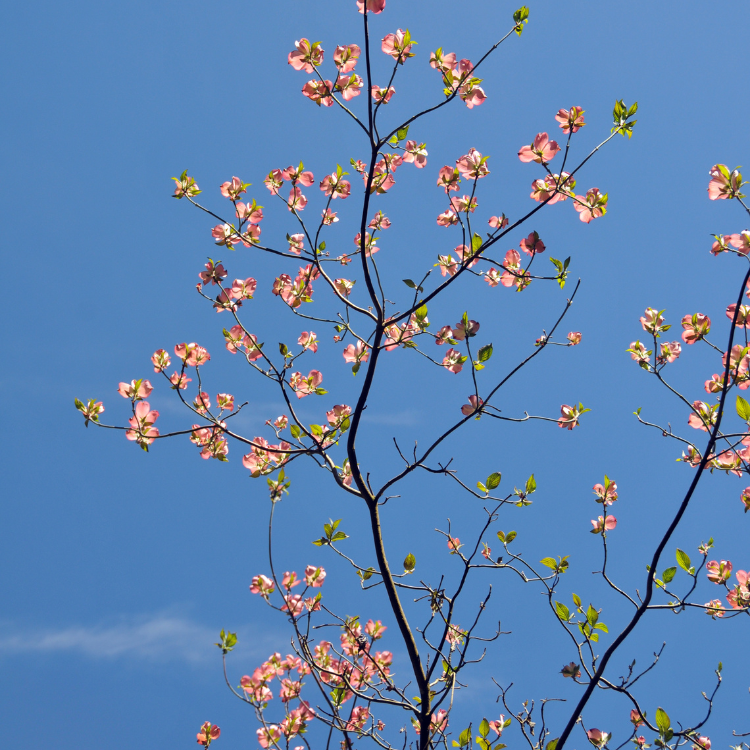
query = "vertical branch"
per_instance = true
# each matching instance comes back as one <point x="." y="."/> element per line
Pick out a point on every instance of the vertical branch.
<point x="665" y="539"/>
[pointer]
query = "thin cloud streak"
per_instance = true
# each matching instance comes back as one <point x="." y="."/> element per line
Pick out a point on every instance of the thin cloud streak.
<point x="158" y="638"/>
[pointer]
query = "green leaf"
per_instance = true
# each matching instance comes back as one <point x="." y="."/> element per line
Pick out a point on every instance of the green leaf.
<point x="530" y="485"/>
<point x="668" y="575"/>
<point x="550" y="562"/>
<point x="365" y="575"/>
<point x="485" y="353"/>
<point x="510" y="536"/>
<point x="338" y="536"/>
<point x="401" y="133"/>
<point x="520" y="17"/>
<point x="476" y="243"/>
<point x="552" y="744"/>
<point x="592" y="615"/>
<point x="295" y="430"/>
<point x="662" y="721"/>
<point x="421" y="313"/>
<point x="562" y="611"/>
<point x="743" y="409"/>
<point x="465" y="737"/>
<point x="484" y="728"/>
<point x="320" y="391"/>
<point x="576" y="600"/>
<point x="601" y="626"/>
<point x="410" y="283"/>
<point x="683" y="560"/>
<point x="410" y="562"/>
<point x="493" y="480"/>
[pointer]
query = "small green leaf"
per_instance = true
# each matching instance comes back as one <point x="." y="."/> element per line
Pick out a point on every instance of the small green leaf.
<point x="550" y="562"/>
<point x="295" y="430"/>
<point x="577" y="600"/>
<point x="683" y="560"/>
<point x="485" y="353"/>
<point x="562" y="611"/>
<point x="484" y="728"/>
<point x="668" y="575"/>
<point x="338" y="536"/>
<point x="530" y="485"/>
<point x="410" y="562"/>
<point x="552" y="744"/>
<point x="493" y="480"/>
<point x="743" y="409"/>
<point x="476" y="243"/>
<point x="410" y="283"/>
<point x="401" y="133"/>
<point x="662" y="721"/>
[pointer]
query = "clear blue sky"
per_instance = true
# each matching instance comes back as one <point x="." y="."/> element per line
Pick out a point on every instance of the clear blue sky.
<point x="118" y="568"/>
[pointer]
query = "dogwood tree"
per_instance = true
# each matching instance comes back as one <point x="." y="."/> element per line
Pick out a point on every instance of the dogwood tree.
<point x="340" y="680"/>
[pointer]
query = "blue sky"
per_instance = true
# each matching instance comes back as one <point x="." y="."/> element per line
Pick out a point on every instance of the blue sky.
<point x="120" y="568"/>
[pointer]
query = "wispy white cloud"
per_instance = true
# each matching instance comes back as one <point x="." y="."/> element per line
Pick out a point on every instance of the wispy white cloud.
<point x="163" y="637"/>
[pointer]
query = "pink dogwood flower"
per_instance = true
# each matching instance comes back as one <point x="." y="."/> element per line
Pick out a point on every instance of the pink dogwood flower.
<point x="141" y="424"/>
<point x="319" y="92"/>
<point x="475" y="403"/>
<point x="443" y="61"/>
<point x="398" y="46"/>
<point x="696" y="326"/>
<point x="724" y="185"/>
<point x="329" y="217"/>
<point x="569" y="416"/>
<point x="415" y="153"/>
<point x="606" y="493"/>
<point x="598" y="738"/>
<point x="314" y="576"/>
<point x="297" y="201"/>
<point x="371" y="6"/>
<point x="185" y="186"/>
<point x="653" y="321"/>
<point x="668" y="352"/>
<point x="356" y="354"/>
<point x="306" y="56"/>
<point x="213" y="274"/>
<point x="718" y="572"/>
<point x="570" y="120"/>
<point x="743" y="316"/>
<point x="542" y="150"/>
<point x="225" y="234"/>
<point x="208" y="733"/>
<point x="135" y="390"/>
<point x="532" y="244"/>
<point x="349" y="86"/>
<point x="379" y="221"/>
<point x="453" y="361"/>
<point x="592" y="206"/>
<point x="498" y="222"/>
<point x="497" y="725"/>
<point x="307" y="340"/>
<point x="345" y="57"/>
<point x="454" y="544"/>
<point x="472" y="166"/>
<point x="304" y="386"/>
<point x="233" y="188"/>
<point x="703" y="415"/>
<point x="603" y="524"/>
<point x="335" y="186"/>
<point x="574" y="337"/>
<point x="382" y="96"/>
